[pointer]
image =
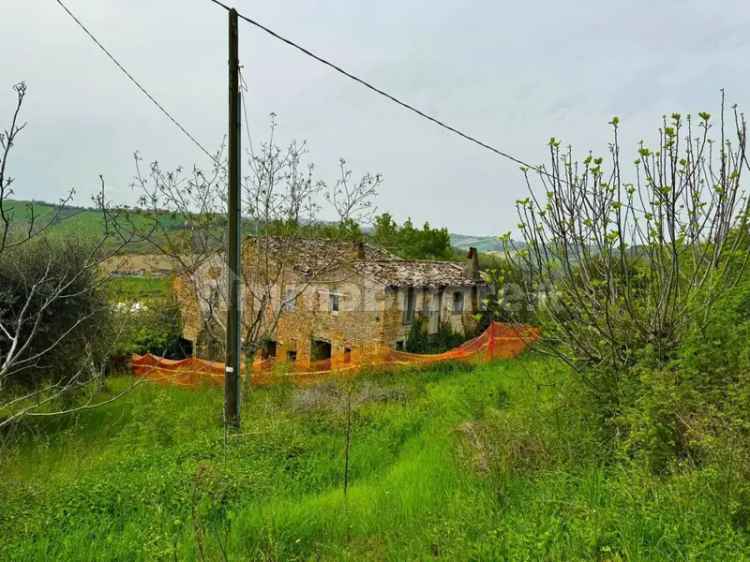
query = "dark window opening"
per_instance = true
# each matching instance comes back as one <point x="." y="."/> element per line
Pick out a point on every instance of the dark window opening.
<point x="334" y="302"/>
<point x="347" y="355"/>
<point x="291" y="356"/>
<point x="411" y="301"/>
<point x="268" y="349"/>
<point x="458" y="302"/>
<point x="321" y="350"/>
<point x="400" y="345"/>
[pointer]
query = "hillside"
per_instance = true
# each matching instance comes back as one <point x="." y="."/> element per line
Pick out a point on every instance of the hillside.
<point x="82" y="221"/>
<point x="64" y="219"/>
<point x="484" y="244"/>
<point x="72" y="222"/>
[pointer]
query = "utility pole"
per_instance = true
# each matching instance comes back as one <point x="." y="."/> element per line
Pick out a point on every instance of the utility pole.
<point x="234" y="279"/>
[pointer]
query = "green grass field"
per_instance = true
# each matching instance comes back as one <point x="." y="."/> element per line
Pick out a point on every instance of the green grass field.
<point x="127" y="289"/>
<point x="82" y="223"/>
<point x="491" y="463"/>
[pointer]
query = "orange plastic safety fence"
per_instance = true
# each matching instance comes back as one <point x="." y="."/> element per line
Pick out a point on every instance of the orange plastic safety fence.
<point x="497" y="341"/>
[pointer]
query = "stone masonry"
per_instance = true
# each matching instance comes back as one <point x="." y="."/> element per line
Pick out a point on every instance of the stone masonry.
<point x="329" y="300"/>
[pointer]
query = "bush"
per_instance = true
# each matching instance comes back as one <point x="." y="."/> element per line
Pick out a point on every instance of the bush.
<point x="152" y="326"/>
<point x="631" y="274"/>
<point x="419" y="341"/>
<point x="51" y="291"/>
<point x="694" y="409"/>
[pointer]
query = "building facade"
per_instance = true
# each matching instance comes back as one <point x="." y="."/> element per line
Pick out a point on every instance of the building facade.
<point x="311" y="300"/>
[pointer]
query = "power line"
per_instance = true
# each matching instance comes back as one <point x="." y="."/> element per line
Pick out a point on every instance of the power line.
<point x="320" y="59"/>
<point x="244" y="88"/>
<point x="379" y="91"/>
<point x="396" y="100"/>
<point x="139" y="85"/>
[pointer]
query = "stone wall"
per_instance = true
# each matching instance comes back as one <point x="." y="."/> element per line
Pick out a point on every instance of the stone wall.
<point x="370" y="316"/>
<point x="190" y="313"/>
<point x="354" y="332"/>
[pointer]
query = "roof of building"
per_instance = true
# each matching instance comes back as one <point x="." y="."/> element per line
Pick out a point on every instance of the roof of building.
<point x="417" y="273"/>
<point x="317" y="247"/>
<point x="311" y="256"/>
<point x="314" y="256"/>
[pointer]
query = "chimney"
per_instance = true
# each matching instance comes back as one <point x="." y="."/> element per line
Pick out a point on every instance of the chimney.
<point x="472" y="264"/>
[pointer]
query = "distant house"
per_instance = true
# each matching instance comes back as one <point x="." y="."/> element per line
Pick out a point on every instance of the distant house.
<point x="329" y="299"/>
<point x="139" y="265"/>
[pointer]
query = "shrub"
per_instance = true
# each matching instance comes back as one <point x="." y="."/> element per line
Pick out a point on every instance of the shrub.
<point x="419" y="341"/>
<point x="50" y="292"/>
<point x="691" y="411"/>
<point x="152" y="326"/>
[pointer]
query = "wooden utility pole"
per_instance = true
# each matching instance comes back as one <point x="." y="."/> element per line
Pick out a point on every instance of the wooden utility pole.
<point x="234" y="279"/>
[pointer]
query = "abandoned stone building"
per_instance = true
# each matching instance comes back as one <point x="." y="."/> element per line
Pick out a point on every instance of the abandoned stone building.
<point x="316" y="299"/>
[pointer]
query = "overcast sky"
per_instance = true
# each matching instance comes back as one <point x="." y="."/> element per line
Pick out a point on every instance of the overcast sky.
<point x="511" y="73"/>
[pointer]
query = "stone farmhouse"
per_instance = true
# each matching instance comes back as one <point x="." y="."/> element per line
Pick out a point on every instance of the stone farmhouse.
<point x="317" y="299"/>
<point x="139" y="265"/>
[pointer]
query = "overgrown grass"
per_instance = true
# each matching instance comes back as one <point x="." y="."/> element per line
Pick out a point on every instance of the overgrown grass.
<point x="127" y="289"/>
<point x="492" y="463"/>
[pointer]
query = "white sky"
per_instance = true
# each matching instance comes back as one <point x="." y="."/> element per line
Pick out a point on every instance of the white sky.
<point x="511" y="73"/>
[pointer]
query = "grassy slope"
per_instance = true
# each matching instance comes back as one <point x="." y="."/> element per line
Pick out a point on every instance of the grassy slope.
<point x="77" y="222"/>
<point x="88" y="222"/>
<point x="129" y="289"/>
<point x="482" y="465"/>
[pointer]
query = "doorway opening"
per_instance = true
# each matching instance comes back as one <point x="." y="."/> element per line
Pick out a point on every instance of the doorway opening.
<point x="268" y="349"/>
<point x="321" y="349"/>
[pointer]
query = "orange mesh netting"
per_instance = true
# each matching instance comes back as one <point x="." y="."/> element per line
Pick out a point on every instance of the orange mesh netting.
<point x="497" y="341"/>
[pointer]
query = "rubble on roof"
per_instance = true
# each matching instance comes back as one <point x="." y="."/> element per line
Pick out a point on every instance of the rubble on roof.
<point x="316" y="247"/>
<point x="311" y="256"/>
<point x="409" y="273"/>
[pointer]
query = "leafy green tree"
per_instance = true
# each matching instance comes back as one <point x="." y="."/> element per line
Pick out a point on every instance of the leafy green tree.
<point x="419" y="341"/>
<point x="631" y="263"/>
<point x="409" y="242"/>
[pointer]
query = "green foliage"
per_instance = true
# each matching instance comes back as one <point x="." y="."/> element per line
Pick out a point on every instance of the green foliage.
<point x="419" y="341"/>
<point x="498" y="462"/>
<point x="51" y="291"/>
<point x="694" y="409"/>
<point x="344" y="230"/>
<point x="409" y="242"/>
<point x="511" y="297"/>
<point x="146" y="318"/>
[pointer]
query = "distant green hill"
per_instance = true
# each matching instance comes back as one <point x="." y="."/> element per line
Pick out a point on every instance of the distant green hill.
<point x="485" y="244"/>
<point x="65" y="221"/>
<point x="74" y="221"/>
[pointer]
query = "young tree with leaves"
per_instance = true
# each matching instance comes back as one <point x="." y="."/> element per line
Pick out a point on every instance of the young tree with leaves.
<point x="625" y="265"/>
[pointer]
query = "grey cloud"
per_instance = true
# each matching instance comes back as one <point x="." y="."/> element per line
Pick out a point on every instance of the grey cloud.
<point x="511" y="73"/>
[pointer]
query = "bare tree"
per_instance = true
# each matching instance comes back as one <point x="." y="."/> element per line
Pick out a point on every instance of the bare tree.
<point x="354" y="201"/>
<point x="622" y="267"/>
<point x="14" y="232"/>
<point x="281" y="201"/>
<point x="41" y="280"/>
